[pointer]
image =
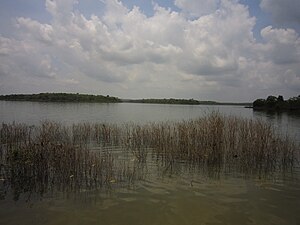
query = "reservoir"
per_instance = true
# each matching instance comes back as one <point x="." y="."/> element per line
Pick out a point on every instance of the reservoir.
<point x="159" y="194"/>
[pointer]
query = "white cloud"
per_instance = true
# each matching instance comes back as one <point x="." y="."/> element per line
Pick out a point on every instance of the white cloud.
<point x="128" y="54"/>
<point x="37" y="31"/>
<point x="197" y="8"/>
<point x="283" y="45"/>
<point x="215" y="42"/>
<point x="61" y="11"/>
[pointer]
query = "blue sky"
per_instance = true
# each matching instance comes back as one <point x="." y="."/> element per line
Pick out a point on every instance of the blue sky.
<point x="225" y="50"/>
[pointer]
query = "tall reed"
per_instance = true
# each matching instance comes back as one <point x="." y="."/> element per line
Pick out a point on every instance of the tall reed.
<point x="51" y="156"/>
<point x="217" y="140"/>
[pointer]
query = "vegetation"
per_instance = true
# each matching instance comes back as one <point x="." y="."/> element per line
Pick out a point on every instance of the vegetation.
<point x="216" y="140"/>
<point x="167" y="101"/>
<point x="68" y="97"/>
<point x="59" y="97"/>
<point x="181" y="101"/>
<point x="86" y="156"/>
<point x="51" y="157"/>
<point x="277" y="103"/>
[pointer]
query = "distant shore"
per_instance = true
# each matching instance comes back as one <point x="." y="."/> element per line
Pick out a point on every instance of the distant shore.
<point x="272" y="103"/>
<point x="60" y="97"/>
<point x="182" y="102"/>
<point x="68" y="97"/>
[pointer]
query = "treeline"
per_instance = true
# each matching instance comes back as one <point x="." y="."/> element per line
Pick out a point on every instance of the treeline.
<point x="277" y="103"/>
<point x="68" y="97"/>
<point x="182" y="102"/>
<point x="59" y="97"/>
<point x="170" y="101"/>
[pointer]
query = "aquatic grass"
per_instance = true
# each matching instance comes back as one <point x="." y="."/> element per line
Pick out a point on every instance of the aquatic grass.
<point x="217" y="140"/>
<point x="54" y="157"/>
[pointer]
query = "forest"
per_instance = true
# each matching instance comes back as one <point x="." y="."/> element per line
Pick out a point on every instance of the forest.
<point x="182" y="102"/>
<point x="60" y="97"/>
<point x="277" y="103"/>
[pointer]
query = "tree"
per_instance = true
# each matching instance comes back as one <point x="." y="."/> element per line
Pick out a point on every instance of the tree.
<point x="271" y="101"/>
<point x="259" y="103"/>
<point x="280" y="98"/>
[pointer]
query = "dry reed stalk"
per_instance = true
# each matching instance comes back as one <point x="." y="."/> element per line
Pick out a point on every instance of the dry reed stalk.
<point x="56" y="157"/>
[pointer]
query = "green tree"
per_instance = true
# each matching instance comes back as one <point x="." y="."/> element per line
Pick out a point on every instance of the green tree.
<point x="259" y="103"/>
<point x="271" y="101"/>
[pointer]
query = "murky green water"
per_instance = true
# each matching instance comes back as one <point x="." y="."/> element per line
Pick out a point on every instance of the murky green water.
<point x="174" y="199"/>
<point x="160" y="194"/>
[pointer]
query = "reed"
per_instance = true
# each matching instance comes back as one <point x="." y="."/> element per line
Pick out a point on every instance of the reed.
<point x="216" y="140"/>
<point x="53" y="157"/>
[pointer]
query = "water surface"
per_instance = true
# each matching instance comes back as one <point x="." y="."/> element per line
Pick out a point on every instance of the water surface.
<point x="165" y="195"/>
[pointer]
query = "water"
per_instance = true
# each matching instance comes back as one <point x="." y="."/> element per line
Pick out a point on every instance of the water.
<point x="34" y="112"/>
<point x="180" y="195"/>
<point x="118" y="113"/>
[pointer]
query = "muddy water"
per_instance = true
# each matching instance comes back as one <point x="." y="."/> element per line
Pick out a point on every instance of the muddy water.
<point x="172" y="199"/>
<point x="162" y="194"/>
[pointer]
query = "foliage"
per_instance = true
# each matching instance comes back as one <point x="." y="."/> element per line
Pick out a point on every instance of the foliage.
<point x="59" y="97"/>
<point x="294" y="102"/>
<point x="259" y="102"/>
<point x="277" y="103"/>
<point x="68" y="97"/>
<point x="182" y="102"/>
<point x="168" y="101"/>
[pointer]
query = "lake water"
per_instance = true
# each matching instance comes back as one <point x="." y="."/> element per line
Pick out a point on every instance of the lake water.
<point x="118" y="113"/>
<point x="180" y="195"/>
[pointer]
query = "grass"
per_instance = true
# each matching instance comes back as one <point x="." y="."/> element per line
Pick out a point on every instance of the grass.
<point x="53" y="157"/>
<point x="218" y="141"/>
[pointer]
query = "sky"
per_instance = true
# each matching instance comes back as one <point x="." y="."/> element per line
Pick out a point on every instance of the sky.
<point x="222" y="50"/>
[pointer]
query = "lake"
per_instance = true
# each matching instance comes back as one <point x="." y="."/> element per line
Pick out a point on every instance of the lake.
<point x="180" y="194"/>
<point x="68" y="113"/>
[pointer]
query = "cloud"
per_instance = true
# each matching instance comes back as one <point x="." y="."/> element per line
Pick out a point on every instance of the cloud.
<point x="61" y="11"/>
<point x="282" y="11"/>
<point x="37" y="31"/>
<point x="196" y="8"/>
<point x="214" y="43"/>
<point x="169" y="54"/>
<point x="283" y="45"/>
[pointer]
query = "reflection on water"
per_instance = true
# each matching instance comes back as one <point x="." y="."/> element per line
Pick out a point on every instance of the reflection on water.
<point x="287" y="122"/>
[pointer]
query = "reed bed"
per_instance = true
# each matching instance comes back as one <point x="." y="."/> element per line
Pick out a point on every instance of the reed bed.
<point x="216" y="140"/>
<point x="51" y="156"/>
